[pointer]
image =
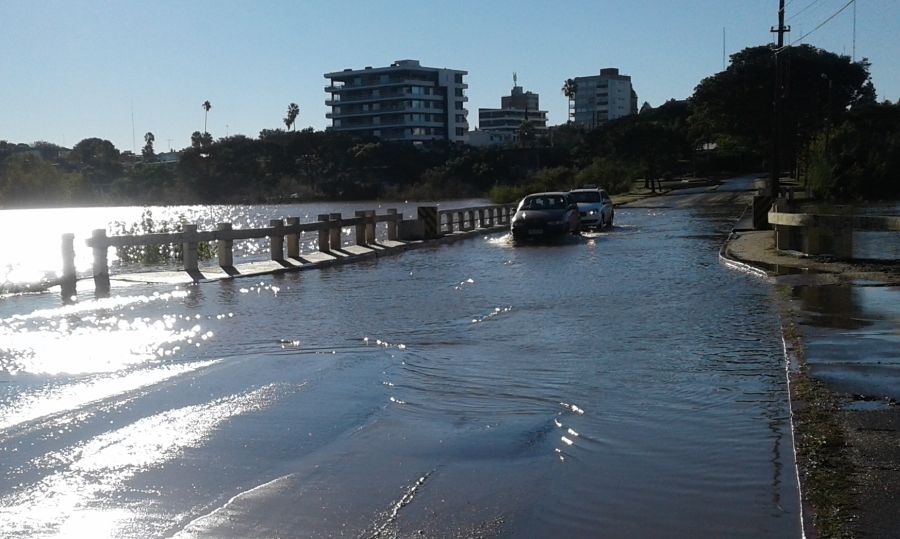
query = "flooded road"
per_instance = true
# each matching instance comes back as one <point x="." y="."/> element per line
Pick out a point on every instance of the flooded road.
<point x="621" y="384"/>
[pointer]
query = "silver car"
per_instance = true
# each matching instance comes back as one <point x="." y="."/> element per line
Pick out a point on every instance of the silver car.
<point x="594" y="206"/>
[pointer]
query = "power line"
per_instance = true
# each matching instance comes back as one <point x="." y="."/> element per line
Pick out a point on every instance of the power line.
<point x="823" y="23"/>
<point x="811" y="4"/>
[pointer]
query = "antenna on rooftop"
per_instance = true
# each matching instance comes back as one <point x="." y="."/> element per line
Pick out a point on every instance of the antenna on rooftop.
<point x="515" y="79"/>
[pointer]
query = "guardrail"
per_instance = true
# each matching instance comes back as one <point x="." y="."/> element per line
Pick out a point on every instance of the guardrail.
<point x="430" y="224"/>
<point x="823" y="234"/>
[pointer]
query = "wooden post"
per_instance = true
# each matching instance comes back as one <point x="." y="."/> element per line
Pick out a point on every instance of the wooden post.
<point x="293" y="239"/>
<point x="370" y="227"/>
<point x="225" y="247"/>
<point x="392" y="225"/>
<point x="101" y="266"/>
<point x="360" y="227"/>
<point x="323" y="233"/>
<point x="276" y="240"/>
<point x="189" y="247"/>
<point x="334" y="231"/>
<point x="67" y="284"/>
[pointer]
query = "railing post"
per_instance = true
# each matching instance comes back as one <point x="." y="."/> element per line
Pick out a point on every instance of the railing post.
<point x="323" y="233"/>
<point x="293" y="238"/>
<point x="67" y="284"/>
<point x="101" y="266"/>
<point x="431" y="219"/>
<point x="481" y="218"/>
<point x="276" y="240"/>
<point x="360" y="227"/>
<point x="392" y="225"/>
<point x="225" y="247"/>
<point x="370" y="227"/>
<point x="189" y="247"/>
<point x="490" y="217"/>
<point x="461" y="220"/>
<point x="334" y="231"/>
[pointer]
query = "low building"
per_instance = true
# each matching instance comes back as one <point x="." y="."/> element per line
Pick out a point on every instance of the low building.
<point x="402" y="102"/>
<point x="500" y="126"/>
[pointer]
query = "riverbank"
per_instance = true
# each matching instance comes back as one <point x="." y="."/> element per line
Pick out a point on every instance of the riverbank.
<point x="847" y="436"/>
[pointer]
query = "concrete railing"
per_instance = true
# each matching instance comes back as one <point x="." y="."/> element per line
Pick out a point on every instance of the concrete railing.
<point x="823" y="234"/>
<point x="430" y="224"/>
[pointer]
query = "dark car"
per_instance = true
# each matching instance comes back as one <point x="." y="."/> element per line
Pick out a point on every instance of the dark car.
<point x="545" y="215"/>
<point x="595" y="207"/>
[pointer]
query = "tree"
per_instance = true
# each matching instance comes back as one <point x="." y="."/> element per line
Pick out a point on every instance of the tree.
<point x="29" y="180"/>
<point x="147" y="151"/>
<point x="569" y="88"/>
<point x="292" y="113"/>
<point x="858" y="158"/>
<point x="526" y="134"/>
<point x="98" y="160"/>
<point x="201" y="140"/>
<point x="738" y="102"/>
<point x="206" y="106"/>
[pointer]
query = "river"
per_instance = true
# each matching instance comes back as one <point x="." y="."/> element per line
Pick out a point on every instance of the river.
<point x="622" y="384"/>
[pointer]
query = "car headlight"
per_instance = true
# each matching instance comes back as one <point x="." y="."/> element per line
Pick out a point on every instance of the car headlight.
<point x="592" y="212"/>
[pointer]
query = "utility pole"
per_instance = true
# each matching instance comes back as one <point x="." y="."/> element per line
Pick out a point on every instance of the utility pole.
<point x="772" y="188"/>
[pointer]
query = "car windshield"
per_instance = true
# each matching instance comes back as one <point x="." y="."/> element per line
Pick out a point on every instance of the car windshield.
<point x="544" y="202"/>
<point x="586" y="196"/>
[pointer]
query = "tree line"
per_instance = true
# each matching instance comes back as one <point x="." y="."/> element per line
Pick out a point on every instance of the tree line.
<point x="842" y="143"/>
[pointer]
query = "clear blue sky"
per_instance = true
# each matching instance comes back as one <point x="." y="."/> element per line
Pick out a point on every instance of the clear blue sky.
<point x="75" y="69"/>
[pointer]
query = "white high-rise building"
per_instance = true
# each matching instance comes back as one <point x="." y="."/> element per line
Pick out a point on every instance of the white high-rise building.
<point x="403" y="102"/>
<point x="603" y="97"/>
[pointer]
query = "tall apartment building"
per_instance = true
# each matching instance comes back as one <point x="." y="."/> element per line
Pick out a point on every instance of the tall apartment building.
<point x="500" y="125"/>
<point x="602" y="97"/>
<point x="402" y="102"/>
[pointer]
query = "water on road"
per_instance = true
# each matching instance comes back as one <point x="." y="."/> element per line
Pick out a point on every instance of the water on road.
<point x="622" y="384"/>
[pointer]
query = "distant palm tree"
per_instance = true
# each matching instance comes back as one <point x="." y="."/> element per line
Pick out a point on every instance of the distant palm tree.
<point x="568" y="89"/>
<point x="292" y="113"/>
<point x="206" y="106"/>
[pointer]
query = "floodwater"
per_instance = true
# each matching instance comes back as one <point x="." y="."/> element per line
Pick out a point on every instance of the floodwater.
<point x="623" y="384"/>
<point x="852" y="336"/>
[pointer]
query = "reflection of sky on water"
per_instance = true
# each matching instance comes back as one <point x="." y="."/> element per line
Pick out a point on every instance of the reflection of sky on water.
<point x="93" y="337"/>
<point x="48" y="400"/>
<point x="68" y="501"/>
